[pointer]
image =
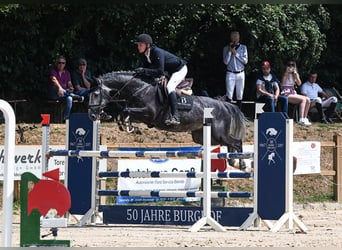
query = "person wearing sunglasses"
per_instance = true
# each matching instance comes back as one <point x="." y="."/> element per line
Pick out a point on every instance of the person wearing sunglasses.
<point x="61" y="87"/>
<point x="289" y="82"/>
<point x="80" y="78"/>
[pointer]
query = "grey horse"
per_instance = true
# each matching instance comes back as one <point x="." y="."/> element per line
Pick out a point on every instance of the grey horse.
<point x="227" y="128"/>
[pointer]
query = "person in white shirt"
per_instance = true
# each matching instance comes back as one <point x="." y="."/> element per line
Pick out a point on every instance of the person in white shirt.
<point x="235" y="57"/>
<point x="319" y="99"/>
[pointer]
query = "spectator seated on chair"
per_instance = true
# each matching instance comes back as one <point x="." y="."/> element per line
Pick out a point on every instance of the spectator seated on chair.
<point x="81" y="81"/>
<point x="312" y="90"/>
<point x="334" y="92"/>
<point x="60" y="86"/>
<point x="289" y="82"/>
<point x="267" y="89"/>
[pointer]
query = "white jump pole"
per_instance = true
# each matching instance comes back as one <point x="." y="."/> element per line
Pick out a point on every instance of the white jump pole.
<point x="8" y="184"/>
<point x="207" y="219"/>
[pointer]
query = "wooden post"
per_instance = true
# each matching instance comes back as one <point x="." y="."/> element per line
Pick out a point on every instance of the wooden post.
<point x="337" y="165"/>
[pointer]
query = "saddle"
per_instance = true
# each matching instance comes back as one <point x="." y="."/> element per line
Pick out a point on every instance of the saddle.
<point x="183" y="91"/>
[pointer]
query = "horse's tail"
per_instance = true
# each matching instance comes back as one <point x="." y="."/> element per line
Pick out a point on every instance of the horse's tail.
<point x="238" y="121"/>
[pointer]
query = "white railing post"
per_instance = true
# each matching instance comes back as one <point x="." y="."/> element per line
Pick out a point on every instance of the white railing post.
<point x="8" y="184"/>
<point x="206" y="156"/>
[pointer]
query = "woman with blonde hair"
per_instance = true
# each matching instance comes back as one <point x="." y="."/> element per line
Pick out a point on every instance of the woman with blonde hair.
<point x="289" y="80"/>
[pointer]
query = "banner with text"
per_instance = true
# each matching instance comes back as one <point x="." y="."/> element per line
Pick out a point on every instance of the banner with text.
<point x="29" y="159"/>
<point x="162" y="165"/>
<point x="308" y="154"/>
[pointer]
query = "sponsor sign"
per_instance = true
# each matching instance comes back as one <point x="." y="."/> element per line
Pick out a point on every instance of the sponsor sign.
<point x="162" y="165"/>
<point x="172" y="215"/>
<point x="271" y="165"/>
<point x="29" y="159"/>
<point x="308" y="154"/>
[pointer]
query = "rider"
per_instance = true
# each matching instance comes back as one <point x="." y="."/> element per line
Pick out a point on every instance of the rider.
<point x="156" y="62"/>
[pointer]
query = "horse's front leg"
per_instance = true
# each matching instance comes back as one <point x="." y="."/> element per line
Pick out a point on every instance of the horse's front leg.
<point x="136" y="111"/>
<point x="142" y="114"/>
<point x="124" y="123"/>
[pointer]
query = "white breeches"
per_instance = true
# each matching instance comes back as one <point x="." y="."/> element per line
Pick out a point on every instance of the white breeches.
<point x="176" y="79"/>
<point x="237" y="82"/>
<point x="325" y="103"/>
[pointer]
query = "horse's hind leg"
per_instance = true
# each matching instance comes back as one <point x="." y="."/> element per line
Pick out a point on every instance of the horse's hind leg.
<point x="235" y="146"/>
<point x="233" y="162"/>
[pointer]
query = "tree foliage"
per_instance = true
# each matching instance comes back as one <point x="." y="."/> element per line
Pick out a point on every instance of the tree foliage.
<point x="32" y="35"/>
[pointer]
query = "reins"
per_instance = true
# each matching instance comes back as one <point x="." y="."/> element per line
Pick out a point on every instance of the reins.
<point x="118" y="92"/>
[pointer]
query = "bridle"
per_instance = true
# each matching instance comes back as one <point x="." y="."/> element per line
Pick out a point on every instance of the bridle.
<point x="103" y="94"/>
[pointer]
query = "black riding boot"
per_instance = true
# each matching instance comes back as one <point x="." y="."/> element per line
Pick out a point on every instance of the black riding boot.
<point x="239" y="104"/>
<point x="330" y="112"/>
<point x="174" y="118"/>
<point x="321" y="113"/>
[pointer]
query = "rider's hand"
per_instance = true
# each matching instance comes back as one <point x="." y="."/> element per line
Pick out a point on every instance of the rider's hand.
<point x="140" y="71"/>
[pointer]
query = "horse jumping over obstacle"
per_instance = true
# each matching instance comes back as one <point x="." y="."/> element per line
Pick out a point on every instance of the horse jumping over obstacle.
<point x="228" y="126"/>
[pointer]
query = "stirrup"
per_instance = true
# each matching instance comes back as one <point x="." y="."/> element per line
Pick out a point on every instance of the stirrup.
<point x="168" y="120"/>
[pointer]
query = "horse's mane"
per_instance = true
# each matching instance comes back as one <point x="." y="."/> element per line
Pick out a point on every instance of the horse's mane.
<point x="117" y="75"/>
<point x="124" y="76"/>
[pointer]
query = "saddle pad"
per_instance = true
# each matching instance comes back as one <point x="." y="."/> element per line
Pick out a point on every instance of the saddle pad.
<point x="184" y="102"/>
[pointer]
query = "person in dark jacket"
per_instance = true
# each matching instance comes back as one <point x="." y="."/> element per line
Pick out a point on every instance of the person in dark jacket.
<point x="156" y="63"/>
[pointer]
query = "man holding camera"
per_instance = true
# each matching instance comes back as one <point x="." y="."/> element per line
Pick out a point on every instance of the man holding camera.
<point x="235" y="57"/>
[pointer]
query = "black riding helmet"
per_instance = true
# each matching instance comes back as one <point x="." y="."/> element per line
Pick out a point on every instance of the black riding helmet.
<point x="144" y="38"/>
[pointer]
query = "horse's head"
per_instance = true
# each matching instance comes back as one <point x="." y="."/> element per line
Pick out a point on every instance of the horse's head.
<point x="111" y="86"/>
<point x="99" y="97"/>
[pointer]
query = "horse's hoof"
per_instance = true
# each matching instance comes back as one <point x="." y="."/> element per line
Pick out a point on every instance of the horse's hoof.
<point x="243" y="167"/>
<point x="130" y="129"/>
